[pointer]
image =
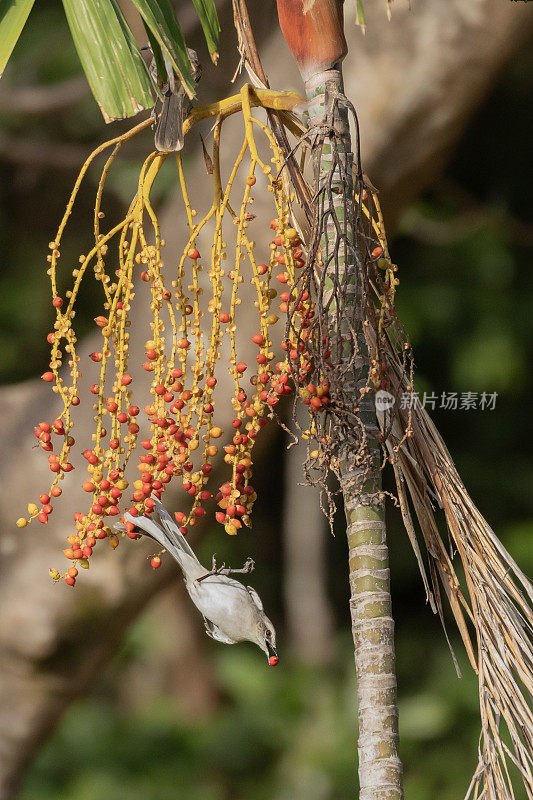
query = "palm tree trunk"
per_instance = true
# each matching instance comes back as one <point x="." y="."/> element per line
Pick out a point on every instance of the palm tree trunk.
<point x="380" y="769"/>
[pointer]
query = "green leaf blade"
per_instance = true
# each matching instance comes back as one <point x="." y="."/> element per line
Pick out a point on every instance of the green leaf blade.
<point x="160" y="18"/>
<point x="13" y="16"/>
<point x="110" y="57"/>
<point x="207" y="14"/>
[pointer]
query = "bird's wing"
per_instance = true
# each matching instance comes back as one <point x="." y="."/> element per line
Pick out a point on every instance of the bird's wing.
<point x="255" y="597"/>
<point x="214" y="632"/>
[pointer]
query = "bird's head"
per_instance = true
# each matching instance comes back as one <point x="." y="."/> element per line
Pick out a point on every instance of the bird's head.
<point x="268" y="638"/>
<point x="265" y="635"/>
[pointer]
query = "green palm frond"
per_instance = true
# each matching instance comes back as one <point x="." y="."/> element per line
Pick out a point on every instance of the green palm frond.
<point x="109" y="54"/>
<point x="13" y="16"/>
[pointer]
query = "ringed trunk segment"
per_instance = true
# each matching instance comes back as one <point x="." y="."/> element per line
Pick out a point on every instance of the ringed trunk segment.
<point x="315" y="36"/>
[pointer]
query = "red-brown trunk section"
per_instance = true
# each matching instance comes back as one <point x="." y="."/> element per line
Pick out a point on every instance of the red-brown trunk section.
<point x="314" y="31"/>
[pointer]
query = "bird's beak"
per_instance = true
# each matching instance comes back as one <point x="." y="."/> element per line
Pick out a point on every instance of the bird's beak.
<point x="272" y="654"/>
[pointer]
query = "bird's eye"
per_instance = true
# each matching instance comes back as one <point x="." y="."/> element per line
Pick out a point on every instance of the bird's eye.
<point x="268" y="634"/>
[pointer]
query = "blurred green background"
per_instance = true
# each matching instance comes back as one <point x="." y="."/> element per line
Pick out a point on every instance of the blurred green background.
<point x="466" y="294"/>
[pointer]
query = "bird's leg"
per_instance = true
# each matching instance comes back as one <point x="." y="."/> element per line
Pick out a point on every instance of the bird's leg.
<point x="223" y="570"/>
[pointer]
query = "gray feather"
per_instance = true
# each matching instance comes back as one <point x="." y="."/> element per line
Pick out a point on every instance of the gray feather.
<point x="232" y="612"/>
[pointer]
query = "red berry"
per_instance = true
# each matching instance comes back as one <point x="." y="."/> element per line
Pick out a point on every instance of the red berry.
<point x="155" y="562"/>
<point x="48" y="376"/>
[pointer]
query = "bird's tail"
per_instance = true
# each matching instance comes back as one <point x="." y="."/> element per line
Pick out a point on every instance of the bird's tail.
<point x="170" y="538"/>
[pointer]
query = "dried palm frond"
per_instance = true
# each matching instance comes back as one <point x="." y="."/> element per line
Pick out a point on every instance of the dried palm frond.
<point x="499" y="592"/>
